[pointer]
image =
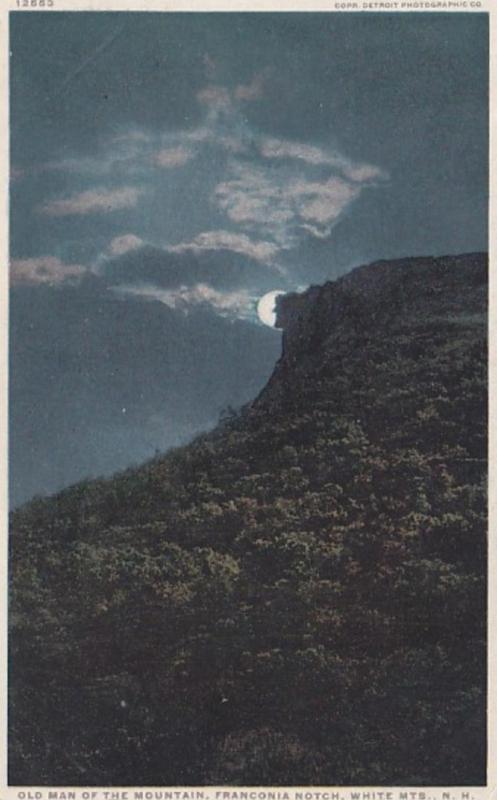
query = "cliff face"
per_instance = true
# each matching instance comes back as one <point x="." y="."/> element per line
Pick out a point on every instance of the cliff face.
<point x="297" y="598"/>
<point x="383" y="289"/>
<point x="376" y="301"/>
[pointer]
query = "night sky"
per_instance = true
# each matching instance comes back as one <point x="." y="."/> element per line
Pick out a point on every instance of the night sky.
<point x="184" y="165"/>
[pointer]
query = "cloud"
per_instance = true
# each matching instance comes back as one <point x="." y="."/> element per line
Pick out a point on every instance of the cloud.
<point x="251" y="194"/>
<point x="45" y="269"/>
<point x="227" y="240"/>
<point x="363" y="173"/>
<point x="210" y="262"/>
<point x="124" y="244"/>
<point x="238" y="303"/>
<point x="254" y="200"/>
<point x="308" y="193"/>
<point x="271" y="147"/>
<point x="322" y="202"/>
<point x="217" y="97"/>
<point x="93" y="200"/>
<point x="214" y="97"/>
<point x="251" y="91"/>
<point x="274" y="148"/>
<point x="132" y="136"/>
<point x="123" y="154"/>
<point x="170" y="157"/>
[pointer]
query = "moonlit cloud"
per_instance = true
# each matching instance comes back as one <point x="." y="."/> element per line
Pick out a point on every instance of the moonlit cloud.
<point x="121" y="155"/>
<point x="322" y="202"/>
<point x="362" y="173"/>
<point x="254" y="200"/>
<point x="301" y="197"/>
<point x="272" y="147"/>
<point x="132" y="136"/>
<point x="226" y="240"/>
<point x="124" y="244"/>
<point x="170" y="157"/>
<point x="251" y="91"/>
<point x="260" y="195"/>
<point x="310" y="194"/>
<point x="228" y="304"/>
<point x="214" y="97"/>
<point x="92" y="201"/>
<point x="279" y="206"/>
<point x="46" y="269"/>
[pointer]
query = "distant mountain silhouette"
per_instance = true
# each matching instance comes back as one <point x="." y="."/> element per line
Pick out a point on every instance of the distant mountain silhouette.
<point x="299" y="596"/>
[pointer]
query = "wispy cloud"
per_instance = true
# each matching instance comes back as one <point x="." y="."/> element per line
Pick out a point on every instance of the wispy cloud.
<point x="238" y="303"/>
<point x="132" y="136"/>
<point x="215" y="97"/>
<point x="261" y="194"/>
<point x="227" y="240"/>
<point x="92" y="201"/>
<point x="363" y="173"/>
<point x="170" y="157"/>
<point x="124" y="244"/>
<point x="278" y="206"/>
<point x="273" y="148"/>
<point x="251" y="91"/>
<point x="45" y="269"/>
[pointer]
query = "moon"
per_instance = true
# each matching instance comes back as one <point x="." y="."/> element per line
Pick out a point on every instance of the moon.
<point x="266" y="307"/>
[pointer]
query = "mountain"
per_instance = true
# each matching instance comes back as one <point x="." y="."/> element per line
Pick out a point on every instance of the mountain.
<point x="297" y="597"/>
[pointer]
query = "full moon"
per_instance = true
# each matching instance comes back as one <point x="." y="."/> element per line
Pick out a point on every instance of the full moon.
<point x="266" y="307"/>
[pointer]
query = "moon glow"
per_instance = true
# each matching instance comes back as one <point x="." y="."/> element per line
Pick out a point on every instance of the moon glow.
<point x="266" y="307"/>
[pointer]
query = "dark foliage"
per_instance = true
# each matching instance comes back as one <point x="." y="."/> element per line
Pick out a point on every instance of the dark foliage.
<point x="296" y="598"/>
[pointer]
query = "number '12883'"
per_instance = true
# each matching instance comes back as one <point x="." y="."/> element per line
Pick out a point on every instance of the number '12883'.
<point x="34" y="3"/>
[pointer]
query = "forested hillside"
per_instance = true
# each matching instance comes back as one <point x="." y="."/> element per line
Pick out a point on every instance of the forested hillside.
<point x="295" y="598"/>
